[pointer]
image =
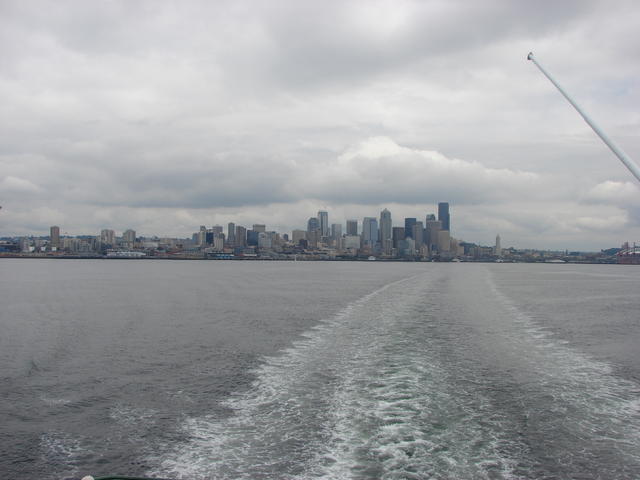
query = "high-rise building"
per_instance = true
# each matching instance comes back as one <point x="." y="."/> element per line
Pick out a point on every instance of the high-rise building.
<point x="432" y="227"/>
<point x="259" y="228"/>
<point x="129" y="238"/>
<point x="369" y="231"/>
<point x="323" y="220"/>
<point x="408" y="227"/>
<point x="241" y="236"/>
<point x="386" y="232"/>
<point x="352" y="228"/>
<point x="418" y="235"/>
<point x="385" y="226"/>
<point x="108" y="237"/>
<point x="444" y="241"/>
<point x="54" y="236"/>
<point x="231" y="234"/>
<point x="336" y="231"/>
<point x="252" y="237"/>
<point x="313" y="225"/>
<point x="397" y="235"/>
<point x="443" y="215"/>
<point x="498" y="249"/>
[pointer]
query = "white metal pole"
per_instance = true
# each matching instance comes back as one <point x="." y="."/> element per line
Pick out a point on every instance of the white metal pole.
<point x="624" y="158"/>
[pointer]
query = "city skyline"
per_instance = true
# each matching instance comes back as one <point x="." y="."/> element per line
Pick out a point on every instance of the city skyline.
<point x="440" y="214"/>
<point x="266" y="114"/>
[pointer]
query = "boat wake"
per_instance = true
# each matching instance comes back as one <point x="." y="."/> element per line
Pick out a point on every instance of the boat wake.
<point x="423" y="378"/>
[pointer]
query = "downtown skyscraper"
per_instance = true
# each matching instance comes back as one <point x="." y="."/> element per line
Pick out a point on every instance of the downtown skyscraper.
<point x="443" y="215"/>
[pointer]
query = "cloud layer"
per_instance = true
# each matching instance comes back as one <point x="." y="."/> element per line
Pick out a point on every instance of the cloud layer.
<point x="165" y="116"/>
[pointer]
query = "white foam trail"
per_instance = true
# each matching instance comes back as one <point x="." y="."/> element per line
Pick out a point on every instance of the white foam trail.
<point x="358" y="396"/>
<point x="585" y="400"/>
<point x="397" y="386"/>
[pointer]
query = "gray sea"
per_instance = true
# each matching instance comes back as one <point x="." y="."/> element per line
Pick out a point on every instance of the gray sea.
<point x="277" y="370"/>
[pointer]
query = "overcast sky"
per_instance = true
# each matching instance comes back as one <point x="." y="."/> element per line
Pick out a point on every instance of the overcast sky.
<point x="164" y="116"/>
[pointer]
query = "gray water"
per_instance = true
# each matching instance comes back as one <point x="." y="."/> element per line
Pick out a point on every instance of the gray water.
<point x="197" y="370"/>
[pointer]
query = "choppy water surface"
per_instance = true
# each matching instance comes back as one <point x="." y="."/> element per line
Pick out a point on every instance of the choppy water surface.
<point x="197" y="370"/>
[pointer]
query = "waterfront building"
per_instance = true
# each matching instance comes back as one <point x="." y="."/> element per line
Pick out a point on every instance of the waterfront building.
<point x="351" y="242"/>
<point x="352" y="227"/>
<point x="54" y="237"/>
<point x="443" y="215"/>
<point x="408" y="227"/>
<point x="407" y="247"/>
<point x="369" y="231"/>
<point x="323" y="222"/>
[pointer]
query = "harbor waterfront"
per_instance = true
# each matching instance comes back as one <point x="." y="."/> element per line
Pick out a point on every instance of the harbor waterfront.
<point x="198" y="370"/>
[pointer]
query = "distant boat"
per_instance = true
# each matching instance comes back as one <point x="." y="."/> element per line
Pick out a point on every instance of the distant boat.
<point x="372" y="258"/>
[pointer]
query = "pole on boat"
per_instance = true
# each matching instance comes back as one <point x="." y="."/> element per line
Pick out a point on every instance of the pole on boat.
<point x="624" y="158"/>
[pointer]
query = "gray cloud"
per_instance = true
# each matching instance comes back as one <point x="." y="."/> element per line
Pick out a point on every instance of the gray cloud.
<point x="163" y="115"/>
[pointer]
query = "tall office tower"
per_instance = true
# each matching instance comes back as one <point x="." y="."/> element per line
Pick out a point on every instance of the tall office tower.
<point x="54" y="236"/>
<point x="385" y="226"/>
<point x="259" y="228"/>
<point x="129" y="238"/>
<point x="241" y="236"/>
<point x="231" y="234"/>
<point x="418" y="235"/>
<point x="498" y="249"/>
<point x="397" y="234"/>
<point x="352" y="228"/>
<point x="323" y="220"/>
<point x="313" y="225"/>
<point x="369" y="231"/>
<point x="443" y="215"/>
<point x="336" y="231"/>
<point x="108" y="237"/>
<point x="408" y="227"/>
<point x="217" y="229"/>
<point x="432" y="227"/>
